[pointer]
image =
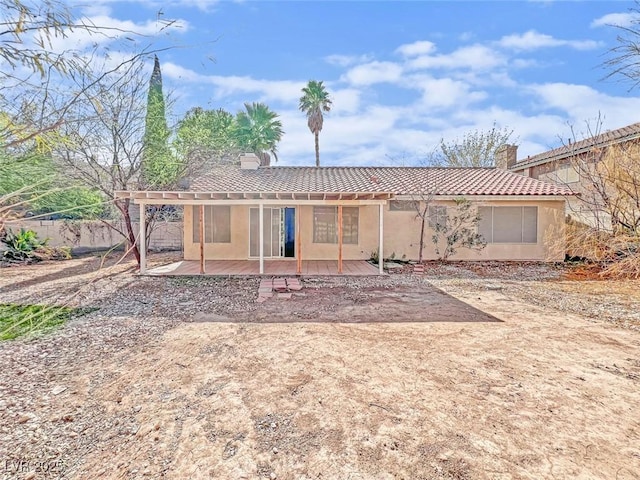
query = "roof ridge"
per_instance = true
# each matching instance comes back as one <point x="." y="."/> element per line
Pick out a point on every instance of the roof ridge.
<point x="617" y="135"/>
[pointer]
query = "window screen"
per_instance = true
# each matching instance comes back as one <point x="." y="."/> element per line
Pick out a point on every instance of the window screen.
<point x="403" y="205"/>
<point x="508" y="224"/>
<point x="217" y="224"/>
<point x="325" y="225"/>
<point x="437" y="216"/>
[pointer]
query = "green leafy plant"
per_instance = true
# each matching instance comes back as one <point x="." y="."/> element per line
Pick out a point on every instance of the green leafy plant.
<point x="25" y="246"/>
<point x="22" y="245"/>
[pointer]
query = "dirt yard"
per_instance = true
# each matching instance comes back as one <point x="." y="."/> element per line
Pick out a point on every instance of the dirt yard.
<point x="479" y="371"/>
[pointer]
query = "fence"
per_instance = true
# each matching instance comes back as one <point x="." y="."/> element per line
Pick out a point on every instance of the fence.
<point x="96" y="235"/>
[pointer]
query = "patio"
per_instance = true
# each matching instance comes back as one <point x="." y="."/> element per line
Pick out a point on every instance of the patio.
<point x="271" y="268"/>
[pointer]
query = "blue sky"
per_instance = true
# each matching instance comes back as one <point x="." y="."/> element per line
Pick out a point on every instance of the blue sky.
<point x="402" y="75"/>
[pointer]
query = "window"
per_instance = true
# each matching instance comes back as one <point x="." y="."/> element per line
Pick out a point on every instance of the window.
<point x="217" y="224"/>
<point x="325" y="225"/>
<point x="403" y="205"/>
<point x="564" y="174"/>
<point x="437" y="216"/>
<point x="350" y="225"/>
<point x="508" y="224"/>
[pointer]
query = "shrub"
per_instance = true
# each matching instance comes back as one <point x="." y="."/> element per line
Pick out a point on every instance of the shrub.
<point x="25" y="246"/>
<point x="22" y="245"/>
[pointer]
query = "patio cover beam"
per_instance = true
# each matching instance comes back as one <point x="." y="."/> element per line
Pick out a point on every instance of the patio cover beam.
<point x="274" y="202"/>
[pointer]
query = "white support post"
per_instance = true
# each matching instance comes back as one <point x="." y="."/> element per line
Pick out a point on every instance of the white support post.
<point x="261" y="226"/>
<point x="381" y="241"/>
<point x="142" y="240"/>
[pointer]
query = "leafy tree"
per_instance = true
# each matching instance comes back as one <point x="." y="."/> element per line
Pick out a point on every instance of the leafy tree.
<point x="38" y="187"/>
<point x="105" y="143"/>
<point x="314" y="102"/>
<point x="258" y="130"/>
<point x="40" y="84"/>
<point x="159" y="166"/>
<point x="475" y="149"/>
<point x="203" y="135"/>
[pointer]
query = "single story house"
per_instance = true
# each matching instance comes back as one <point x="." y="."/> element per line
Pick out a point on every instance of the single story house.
<point x="253" y="212"/>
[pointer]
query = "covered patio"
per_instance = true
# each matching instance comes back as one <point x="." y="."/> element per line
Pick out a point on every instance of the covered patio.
<point x="271" y="268"/>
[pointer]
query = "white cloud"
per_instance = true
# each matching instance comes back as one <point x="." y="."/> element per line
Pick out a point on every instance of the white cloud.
<point x="443" y="92"/>
<point x="372" y="73"/>
<point x="104" y="29"/>
<point x="532" y="40"/>
<point x="423" y="47"/>
<point x="581" y="103"/>
<point x="285" y="91"/>
<point x="347" y="60"/>
<point x="474" y="57"/>
<point x="346" y="100"/>
<point x="618" y="19"/>
<point x="203" y="5"/>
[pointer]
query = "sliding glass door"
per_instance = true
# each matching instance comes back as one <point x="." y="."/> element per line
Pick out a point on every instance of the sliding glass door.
<point x="278" y="230"/>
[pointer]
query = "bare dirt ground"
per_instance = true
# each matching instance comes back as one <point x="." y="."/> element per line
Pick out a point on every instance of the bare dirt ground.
<point x="475" y="371"/>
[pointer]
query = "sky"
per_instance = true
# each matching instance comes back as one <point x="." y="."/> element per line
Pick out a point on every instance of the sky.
<point x="402" y="75"/>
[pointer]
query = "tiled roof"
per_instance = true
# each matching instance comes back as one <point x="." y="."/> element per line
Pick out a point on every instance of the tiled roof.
<point x="624" y="134"/>
<point x="394" y="180"/>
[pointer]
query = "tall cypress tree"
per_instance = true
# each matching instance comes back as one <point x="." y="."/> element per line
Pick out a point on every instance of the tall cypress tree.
<point x="159" y="168"/>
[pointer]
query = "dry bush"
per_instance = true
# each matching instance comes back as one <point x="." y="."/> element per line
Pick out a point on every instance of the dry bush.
<point x="605" y="228"/>
<point x="617" y="255"/>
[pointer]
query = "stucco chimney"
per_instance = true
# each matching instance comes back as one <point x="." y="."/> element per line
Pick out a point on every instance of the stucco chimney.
<point x="249" y="161"/>
<point x="506" y="157"/>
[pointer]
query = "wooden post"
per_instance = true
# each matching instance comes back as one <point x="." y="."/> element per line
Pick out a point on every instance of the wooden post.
<point x="261" y="223"/>
<point x="339" y="238"/>
<point x="142" y="240"/>
<point x="298" y="242"/>
<point x="202" y="265"/>
<point x="381" y="241"/>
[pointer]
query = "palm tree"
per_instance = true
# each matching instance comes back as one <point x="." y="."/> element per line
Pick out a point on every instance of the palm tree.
<point x="314" y="101"/>
<point x="258" y="130"/>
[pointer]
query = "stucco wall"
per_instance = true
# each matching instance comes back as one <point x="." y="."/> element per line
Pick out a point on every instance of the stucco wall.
<point x="401" y="236"/>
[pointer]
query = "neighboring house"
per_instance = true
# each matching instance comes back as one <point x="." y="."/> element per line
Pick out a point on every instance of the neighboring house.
<point x="564" y="166"/>
<point x="256" y="212"/>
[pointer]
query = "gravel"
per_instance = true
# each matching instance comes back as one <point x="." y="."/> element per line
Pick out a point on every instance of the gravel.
<point x="134" y="311"/>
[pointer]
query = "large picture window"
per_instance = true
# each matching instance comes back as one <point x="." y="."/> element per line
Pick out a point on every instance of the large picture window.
<point x="508" y="224"/>
<point x="217" y="224"/>
<point x="325" y="225"/>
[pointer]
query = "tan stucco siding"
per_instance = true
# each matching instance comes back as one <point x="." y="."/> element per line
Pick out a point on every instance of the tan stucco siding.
<point x="401" y="236"/>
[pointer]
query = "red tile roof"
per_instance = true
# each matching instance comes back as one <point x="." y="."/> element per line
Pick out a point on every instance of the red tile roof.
<point x="624" y="134"/>
<point x="394" y="180"/>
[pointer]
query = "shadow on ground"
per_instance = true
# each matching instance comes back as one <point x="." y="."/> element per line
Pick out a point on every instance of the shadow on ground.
<point x="417" y="303"/>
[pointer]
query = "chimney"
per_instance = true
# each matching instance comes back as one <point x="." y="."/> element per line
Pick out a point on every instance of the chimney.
<point x="249" y="161"/>
<point x="506" y="156"/>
